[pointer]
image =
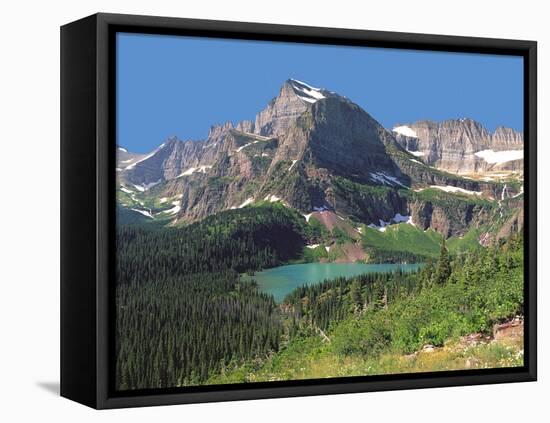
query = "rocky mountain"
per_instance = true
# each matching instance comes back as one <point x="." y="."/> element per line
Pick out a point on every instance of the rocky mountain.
<point x="164" y="163"/>
<point x="323" y="155"/>
<point x="125" y="158"/>
<point x="463" y="146"/>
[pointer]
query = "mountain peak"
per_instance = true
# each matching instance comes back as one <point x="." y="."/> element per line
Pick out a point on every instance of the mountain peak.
<point x="170" y="141"/>
<point x="305" y="91"/>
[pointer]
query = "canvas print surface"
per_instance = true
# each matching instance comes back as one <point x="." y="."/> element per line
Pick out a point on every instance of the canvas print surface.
<point x="299" y="211"/>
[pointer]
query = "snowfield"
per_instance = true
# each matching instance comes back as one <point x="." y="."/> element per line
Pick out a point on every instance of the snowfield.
<point x="449" y="188"/>
<point x="492" y="157"/>
<point x="405" y="130"/>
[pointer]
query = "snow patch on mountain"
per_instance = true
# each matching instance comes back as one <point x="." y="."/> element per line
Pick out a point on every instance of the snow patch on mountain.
<point x="398" y="218"/>
<point x="491" y="156"/>
<point x="144" y="212"/>
<point x="312" y="246"/>
<point x="246" y="145"/>
<point x="385" y="179"/>
<point x="191" y="170"/>
<point x="175" y="209"/>
<point x="145" y="187"/>
<point x="307" y="92"/>
<point x="148" y="156"/>
<point x="405" y="130"/>
<point x="449" y="188"/>
<point x="246" y="202"/>
<point x="272" y="198"/>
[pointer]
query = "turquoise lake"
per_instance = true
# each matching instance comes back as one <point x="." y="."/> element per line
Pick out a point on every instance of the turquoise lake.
<point x="279" y="281"/>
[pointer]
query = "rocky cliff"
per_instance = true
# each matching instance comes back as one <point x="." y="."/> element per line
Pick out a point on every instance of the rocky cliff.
<point x="462" y="146"/>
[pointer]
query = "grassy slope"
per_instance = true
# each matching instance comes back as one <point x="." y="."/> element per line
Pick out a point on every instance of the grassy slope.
<point x="402" y="238"/>
<point x="311" y="358"/>
<point x="406" y="241"/>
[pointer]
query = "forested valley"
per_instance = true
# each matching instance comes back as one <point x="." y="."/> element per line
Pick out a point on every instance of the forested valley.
<point x="182" y="311"/>
<point x="185" y="318"/>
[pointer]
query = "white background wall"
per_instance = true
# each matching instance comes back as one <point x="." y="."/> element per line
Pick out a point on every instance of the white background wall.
<point x="29" y="231"/>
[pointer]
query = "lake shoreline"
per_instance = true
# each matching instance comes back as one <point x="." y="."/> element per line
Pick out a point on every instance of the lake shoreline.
<point x="281" y="280"/>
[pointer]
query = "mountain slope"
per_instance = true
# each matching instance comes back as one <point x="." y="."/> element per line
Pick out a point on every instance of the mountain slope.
<point x="314" y="150"/>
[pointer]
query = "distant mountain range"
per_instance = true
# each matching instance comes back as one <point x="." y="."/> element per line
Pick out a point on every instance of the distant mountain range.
<point x="324" y="156"/>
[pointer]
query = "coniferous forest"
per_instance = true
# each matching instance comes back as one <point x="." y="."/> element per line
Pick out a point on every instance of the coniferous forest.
<point x="185" y="317"/>
<point x="182" y="311"/>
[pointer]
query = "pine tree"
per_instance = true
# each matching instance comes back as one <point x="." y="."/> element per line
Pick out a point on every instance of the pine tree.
<point x="355" y="291"/>
<point x="443" y="269"/>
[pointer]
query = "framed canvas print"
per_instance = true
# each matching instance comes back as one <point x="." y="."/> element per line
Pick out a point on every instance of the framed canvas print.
<point x="254" y="211"/>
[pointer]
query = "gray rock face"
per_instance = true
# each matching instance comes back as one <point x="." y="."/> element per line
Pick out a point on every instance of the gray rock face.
<point x="166" y="162"/>
<point x="281" y="112"/>
<point x="452" y="145"/>
<point x="455" y="222"/>
<point x="245" y="126"/>
<point x="506" y="139"/>
<point x="347" y="140"/>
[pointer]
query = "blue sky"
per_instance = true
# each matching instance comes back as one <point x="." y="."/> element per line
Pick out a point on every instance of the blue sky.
<point x="173" y="85"/>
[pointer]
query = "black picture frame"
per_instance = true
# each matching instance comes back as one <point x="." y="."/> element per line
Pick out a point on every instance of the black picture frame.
<point x="87" y="231"/>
